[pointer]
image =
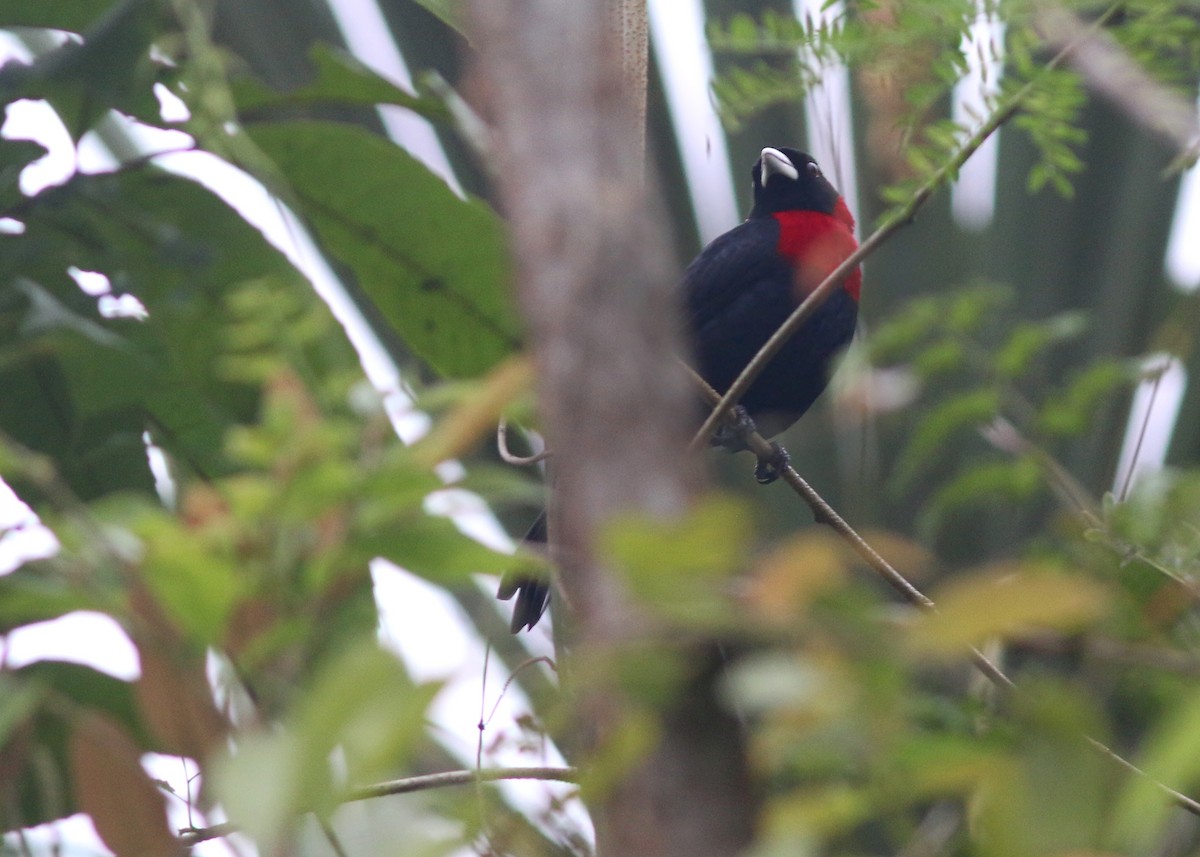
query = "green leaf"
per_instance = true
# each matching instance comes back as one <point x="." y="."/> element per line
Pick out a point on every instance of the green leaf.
<point x="433" y="547"/>
<point x="15" y="155"/>
<point x="73" y="15"/>
<point x="361" y="702"/>
<point x="434" y="264"/>
<point x="1169" y="756"/>
<point x="983" y="485"/>
<point x="110" y="70"/>
<point x="84" y="388"/>
<point x="962" y="411"/>
<point x="679" y="567"/>
<point x="449" y="12"/>
<point x="1005" y="600"/>
<point x="33" y="593"/>
<point x="340" y="79"/>
<point x="95" y="453"/>
<point x="40" y="767"/>
<point x="1030" y="339"/>
<point x="196" y="583"/>
<point x="1069" y="412"/>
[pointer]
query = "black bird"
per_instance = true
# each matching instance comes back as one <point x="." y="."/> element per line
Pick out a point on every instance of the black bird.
<point x="738" y="291"/>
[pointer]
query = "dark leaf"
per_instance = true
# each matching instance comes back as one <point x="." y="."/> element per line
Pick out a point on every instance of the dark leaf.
<point x="73" y="15"/>
<point x="434" y="264"/>
<point x="126" y="806"/>
<point x="341" y="79"/>
<point x="111" y="69"/>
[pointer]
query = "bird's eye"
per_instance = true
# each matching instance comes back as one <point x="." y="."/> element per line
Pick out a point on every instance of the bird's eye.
<point x="814" y="171"/>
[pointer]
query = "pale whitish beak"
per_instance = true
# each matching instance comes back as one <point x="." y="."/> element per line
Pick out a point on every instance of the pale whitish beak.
<point x="776" y="163"/>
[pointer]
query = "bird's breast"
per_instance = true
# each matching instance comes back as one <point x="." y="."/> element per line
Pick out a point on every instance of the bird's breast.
<point x="815" y="243"/>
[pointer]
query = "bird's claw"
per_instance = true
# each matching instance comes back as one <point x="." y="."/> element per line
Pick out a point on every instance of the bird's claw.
<point x="732" y="433"/>
<point x="770" y="467"/>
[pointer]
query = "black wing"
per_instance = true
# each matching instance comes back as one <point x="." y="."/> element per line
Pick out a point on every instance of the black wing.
<point x="727" y="266"/>
<point x="737" y="293"/>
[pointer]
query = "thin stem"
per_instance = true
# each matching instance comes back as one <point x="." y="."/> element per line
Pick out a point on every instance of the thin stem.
<point x="412" y="784"/>
<point x="458" y="778"/>
<point x="511" y="457"/>
<point x="1137" y="449"/>
<point x="332" y="838"/>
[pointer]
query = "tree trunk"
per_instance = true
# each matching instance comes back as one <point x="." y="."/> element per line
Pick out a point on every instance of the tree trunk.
<point x="596" y="287"/>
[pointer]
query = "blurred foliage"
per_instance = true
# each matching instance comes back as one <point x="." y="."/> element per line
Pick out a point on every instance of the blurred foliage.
<point x="993" y="414"/>
<point x="245" y="585"/>
<point x="921" y="51"/>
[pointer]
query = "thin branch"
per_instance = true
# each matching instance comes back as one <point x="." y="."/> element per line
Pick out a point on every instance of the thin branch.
<point x="1005" y="437"/>
<point x="825" y="514"/>
<point x="1112" y="652"/>
<point x="408" y="785"/>
<point x="1181" y="800"/>
<point x="1127" y="483"/>
<point x="459" y="778"/>
<point x="528" y="662"/>
<point x="332" y="838"/>
<point x="901" y="217"/>
<point x="511" y="457"/>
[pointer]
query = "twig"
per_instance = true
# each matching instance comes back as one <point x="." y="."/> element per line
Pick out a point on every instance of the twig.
<point x="1005" y="437"/>
<point x="825" y="514"/>
<point x="332" y="838"/>
<point x="511" y="457"/>
<point x="481" y="726"/>
<point x="408" y="785"/>
<point x="902" y="217"/>
<point x="528" y="662"/>
<point x="1181" y="800"/>
<point x="1127" y="483"/>
<point x="459" y="778"/>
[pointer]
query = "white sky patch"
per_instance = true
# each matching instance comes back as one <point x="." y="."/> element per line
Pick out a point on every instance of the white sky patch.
<point x="1183" y="247"/>
<point x="681" y="49"/>
<point x="93" y="283"/>
<point x="170" y="105"/>
<point x="160" y="469"/>
<point x="12" y="48"/>
<point x="973" y="196"/>
<point x="108" y="648"/>
<point x="22" y="536"/>
<point x="36" y="120"/>
<point x="72" y="837"/>
<point x="182" y="807"/>
<point x="1152" y="419"/>
<point x="827" y="110"/>
<point x="409" y="607"/>
<point x="369" y="38"/>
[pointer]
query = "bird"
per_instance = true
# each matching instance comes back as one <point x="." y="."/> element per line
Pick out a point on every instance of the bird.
<point x="736" y="293"/>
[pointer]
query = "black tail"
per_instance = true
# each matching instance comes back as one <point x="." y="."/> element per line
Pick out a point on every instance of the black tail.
<point x="533" y="593"/>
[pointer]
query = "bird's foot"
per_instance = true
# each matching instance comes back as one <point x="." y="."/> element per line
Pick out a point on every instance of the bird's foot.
<point x="732" y="433"/>
<point x="770" y="467"/>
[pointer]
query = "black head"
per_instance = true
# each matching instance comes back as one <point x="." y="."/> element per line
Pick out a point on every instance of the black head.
<point x="790" y="180"/>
